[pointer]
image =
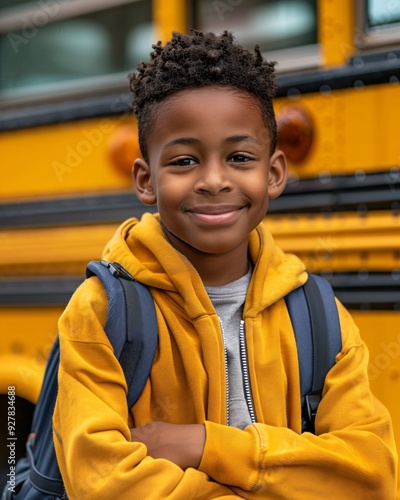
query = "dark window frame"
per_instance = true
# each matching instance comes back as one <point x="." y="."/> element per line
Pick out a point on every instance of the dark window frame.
<point x="373" y="37"/>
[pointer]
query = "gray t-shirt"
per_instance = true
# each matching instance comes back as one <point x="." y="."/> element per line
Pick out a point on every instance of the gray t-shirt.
<point x="228" y="301"/>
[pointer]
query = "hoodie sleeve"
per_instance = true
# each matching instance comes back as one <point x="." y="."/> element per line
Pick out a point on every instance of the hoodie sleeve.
<point x="352" y="456"/>
<point x="91" y="431"/>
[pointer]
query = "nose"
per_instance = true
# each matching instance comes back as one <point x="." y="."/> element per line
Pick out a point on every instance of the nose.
<point x="214" y="177"/>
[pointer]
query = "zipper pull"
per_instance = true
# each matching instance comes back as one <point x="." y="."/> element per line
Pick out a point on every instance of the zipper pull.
<point x="117" y="270"/>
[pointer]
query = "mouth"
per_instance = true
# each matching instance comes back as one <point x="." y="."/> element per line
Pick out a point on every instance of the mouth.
<point x="216" y="214"/>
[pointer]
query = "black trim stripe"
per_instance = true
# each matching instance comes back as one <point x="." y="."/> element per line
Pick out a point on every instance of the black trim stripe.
<point x="360" y="192"/>
<point x="75" y="210"/>
<point x="374" y="69"/>
<point x="38" y="291"/>
<point x="367" y="290"/>
<point x="66" y="111"/>
<point x="362" y="290"/>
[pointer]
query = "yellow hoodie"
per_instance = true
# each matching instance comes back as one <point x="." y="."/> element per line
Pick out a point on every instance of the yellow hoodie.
<point x="352" y="456"/>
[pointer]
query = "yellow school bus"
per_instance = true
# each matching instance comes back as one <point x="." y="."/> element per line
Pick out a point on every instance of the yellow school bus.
<point x="68" y="139"/>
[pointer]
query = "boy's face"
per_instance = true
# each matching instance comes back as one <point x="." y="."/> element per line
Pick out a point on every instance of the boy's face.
<point x="210" y="170"/>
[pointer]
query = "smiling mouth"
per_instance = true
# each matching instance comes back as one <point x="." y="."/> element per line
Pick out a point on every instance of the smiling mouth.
<point x="216" y="214"/>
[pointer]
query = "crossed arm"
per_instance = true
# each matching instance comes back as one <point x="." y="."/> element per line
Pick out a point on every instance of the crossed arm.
<point x="181" y="444"/>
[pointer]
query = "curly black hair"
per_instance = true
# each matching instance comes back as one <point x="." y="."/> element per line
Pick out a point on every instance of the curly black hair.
<point x="198" y="60"/>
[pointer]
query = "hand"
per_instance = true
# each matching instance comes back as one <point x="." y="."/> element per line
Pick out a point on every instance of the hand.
<point x="181" y="444"/>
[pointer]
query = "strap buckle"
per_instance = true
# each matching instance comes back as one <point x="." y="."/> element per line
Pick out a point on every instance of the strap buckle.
<point x="311" y="402"/>
<point x="117" y="270"/>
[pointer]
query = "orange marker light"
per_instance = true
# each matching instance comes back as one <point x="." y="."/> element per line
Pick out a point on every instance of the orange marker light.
<point x="295" y="133"/>
<point x="123" y="147"/>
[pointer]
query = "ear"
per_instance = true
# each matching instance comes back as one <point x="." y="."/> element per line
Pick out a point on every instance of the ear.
<point x="278" y="174"/>
<point x="143" y="182"/>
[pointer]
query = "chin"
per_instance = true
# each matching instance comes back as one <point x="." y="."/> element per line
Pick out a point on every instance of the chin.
<point x="216" y="247"/>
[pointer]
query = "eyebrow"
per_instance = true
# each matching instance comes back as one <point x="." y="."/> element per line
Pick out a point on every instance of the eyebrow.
<point x="192" y="140"/>
<point x="182" y="140"/>
<point x="241" y="138"/>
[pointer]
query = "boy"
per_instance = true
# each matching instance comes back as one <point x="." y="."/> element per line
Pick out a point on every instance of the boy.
<point x="220" y="414"/>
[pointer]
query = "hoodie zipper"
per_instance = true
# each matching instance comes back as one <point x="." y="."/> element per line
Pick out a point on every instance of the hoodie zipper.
<point x="245" y="372"/>
<point x="226" y="373"/>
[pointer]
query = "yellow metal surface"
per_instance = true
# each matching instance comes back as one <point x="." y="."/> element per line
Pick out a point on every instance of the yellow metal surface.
<point x="55" y="250"/>
<point x="26" y="336"/>
<point x="336" y="30"/>
<point x="61" y="159"/>
<point x="169" y="16"/>
<point x="340" y="242"/>
<point x="381" y="332"/>
<point x="355" y="130"/>
<point x="17" y="371"/>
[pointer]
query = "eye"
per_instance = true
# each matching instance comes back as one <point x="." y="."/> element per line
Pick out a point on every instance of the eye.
<point x="183" y="162"/>
<point x="240" y="158"/>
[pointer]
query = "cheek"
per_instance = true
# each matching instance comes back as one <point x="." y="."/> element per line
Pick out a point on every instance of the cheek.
<point x="169" y="200"/>
<point x="257" y="189"/>
<point x="174" y="189"/>
<point x="256" y="184"/>
<point x="168" y="194"/>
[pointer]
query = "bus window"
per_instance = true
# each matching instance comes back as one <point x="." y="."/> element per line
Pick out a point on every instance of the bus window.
<point x="49" y="48"/>
<point x="378" y="23"/>
<point x="285" y="30"/>
<point x="4" y="4"/>
<point x="382" y="12"/>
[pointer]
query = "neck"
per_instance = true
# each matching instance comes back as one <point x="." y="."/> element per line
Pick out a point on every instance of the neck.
<point x="215" y="269"/>
<point x="221" y="269"/>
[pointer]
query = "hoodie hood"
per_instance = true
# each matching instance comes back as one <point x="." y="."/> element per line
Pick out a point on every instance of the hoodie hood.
<point x="143" y="249"/>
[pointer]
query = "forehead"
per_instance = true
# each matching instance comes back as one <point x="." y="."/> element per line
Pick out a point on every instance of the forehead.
<point x="198" y="97"/>
<point x="226" y="109"/>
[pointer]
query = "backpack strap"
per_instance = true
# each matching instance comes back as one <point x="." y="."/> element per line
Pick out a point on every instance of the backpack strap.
<point x="131" y="326"/>
<point x="318" y="339"/>
<point x="40" y="464"/>
<point x="131" y="323"/>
